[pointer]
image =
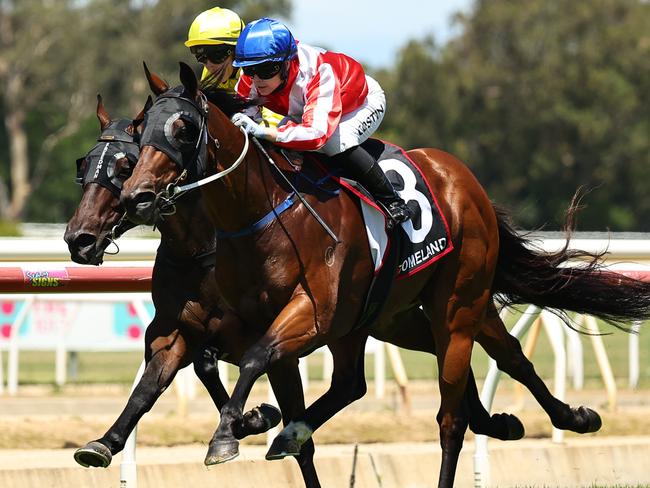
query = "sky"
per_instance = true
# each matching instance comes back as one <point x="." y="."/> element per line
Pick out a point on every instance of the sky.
<point x="372" y="31"/>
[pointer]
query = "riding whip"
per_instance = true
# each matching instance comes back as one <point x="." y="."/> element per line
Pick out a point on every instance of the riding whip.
<point x="302" y="199"/>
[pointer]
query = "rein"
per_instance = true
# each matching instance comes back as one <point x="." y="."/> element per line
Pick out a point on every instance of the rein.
<point x="173" y="192"/>
<point x="116" y="232"/>
<point x="167" y="198"/>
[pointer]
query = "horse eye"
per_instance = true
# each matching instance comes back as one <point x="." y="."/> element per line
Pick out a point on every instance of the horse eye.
<point x="124" y="169"/>
<point x="81" y="170"/>
<point x="186" y="134"/>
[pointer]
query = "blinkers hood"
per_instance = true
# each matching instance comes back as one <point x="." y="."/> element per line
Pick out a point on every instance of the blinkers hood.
<point x="158" y="131"/>
<point x="114" y="143"/>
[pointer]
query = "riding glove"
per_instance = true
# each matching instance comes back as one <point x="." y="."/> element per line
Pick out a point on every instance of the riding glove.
<point x="250" y="126"/>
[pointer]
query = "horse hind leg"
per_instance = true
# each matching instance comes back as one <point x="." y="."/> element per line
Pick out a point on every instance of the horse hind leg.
<point x="418" y="337"/>
<point x="503" y="426"/>
<point x="506" y="351"/>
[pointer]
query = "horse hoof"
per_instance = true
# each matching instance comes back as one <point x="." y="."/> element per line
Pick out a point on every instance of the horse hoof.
<point x="513" y="428"/>
<point x="94" y="454"/>
<point x="592" y="420"/>
<point x="260" y="419"/>
<point x="221" y="451"/>
<point x="516" y="429"/>
<point x="282" y="447"/>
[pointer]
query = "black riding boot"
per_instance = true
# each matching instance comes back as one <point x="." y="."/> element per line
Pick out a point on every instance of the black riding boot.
<point x="361" y="166"/>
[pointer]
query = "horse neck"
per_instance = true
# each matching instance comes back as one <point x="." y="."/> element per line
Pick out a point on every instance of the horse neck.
<point x="246" y="194"/>
<point x="185" y="235"/>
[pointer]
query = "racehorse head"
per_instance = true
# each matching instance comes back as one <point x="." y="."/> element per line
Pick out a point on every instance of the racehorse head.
<point x="170" y="143"/>
<point x="181" y="132"/>
<point x="101" y="173"/>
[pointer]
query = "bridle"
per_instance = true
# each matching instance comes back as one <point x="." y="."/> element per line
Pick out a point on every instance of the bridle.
<point x="117" y="140"/>
<point x="168" y="108"/>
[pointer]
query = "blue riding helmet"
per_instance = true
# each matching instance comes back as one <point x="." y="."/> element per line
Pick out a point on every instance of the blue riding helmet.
<point x="262" y="41"/>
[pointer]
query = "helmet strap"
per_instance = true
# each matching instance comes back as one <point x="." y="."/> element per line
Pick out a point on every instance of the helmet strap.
<point x="284" y="76"/>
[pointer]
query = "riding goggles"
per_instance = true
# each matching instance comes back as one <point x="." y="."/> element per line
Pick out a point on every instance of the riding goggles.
<point x="216" y="54"/>
<point x="264" y="71"/>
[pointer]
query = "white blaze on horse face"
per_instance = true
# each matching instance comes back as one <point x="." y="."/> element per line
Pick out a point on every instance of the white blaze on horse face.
<point x="297" y="430"/>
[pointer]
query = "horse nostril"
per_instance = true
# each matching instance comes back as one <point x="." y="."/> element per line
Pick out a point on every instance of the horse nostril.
<point x="140" y="206"/>
<point x="82" y="247"/>
<point x="143" y="199"/>
<point x="84" y="241"/>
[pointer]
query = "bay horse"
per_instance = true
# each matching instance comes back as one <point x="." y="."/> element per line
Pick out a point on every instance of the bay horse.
<point x="189" y="325"/>
<point x="291" y="280"/>
<point x="98" y="221"/>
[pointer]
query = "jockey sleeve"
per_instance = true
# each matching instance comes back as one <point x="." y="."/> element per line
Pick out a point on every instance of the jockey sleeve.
<point x="321" y="87"/>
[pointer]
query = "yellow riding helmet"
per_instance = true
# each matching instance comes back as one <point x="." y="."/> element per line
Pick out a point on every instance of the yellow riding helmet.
<point x="215" y="26"/>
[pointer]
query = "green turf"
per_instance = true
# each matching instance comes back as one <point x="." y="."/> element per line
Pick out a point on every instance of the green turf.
<point x="38" y="367"/>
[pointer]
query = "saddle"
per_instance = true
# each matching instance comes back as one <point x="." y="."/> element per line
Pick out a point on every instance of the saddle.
<point x="407" y="249"/>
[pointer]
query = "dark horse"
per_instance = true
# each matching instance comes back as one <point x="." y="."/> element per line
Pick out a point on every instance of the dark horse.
<point x="189" y="323"/>
<point x="291" y="280"/>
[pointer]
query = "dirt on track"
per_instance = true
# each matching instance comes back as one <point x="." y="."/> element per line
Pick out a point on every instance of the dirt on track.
<point x="39" y="419"/>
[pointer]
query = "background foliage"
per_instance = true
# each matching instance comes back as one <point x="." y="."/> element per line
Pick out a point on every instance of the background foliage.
<point x="537" y="97"/>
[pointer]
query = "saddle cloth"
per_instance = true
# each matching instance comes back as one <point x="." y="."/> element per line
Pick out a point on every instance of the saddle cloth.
<point x="422" y="240"/>
<point x="409" y="248"/>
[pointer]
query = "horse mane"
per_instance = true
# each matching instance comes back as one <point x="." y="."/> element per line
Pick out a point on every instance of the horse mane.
<point x="228" y="102"/>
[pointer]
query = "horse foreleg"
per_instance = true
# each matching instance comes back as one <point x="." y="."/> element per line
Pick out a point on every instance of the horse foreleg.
<point x="290" y="334"/>
<point x="206" y="369"/>
<point x="165" y="355"/>
<point x="348" y="384"/>
<point x="285" y="380"/>
<point x="506" y="351"/>
<point x="257" y="420"/>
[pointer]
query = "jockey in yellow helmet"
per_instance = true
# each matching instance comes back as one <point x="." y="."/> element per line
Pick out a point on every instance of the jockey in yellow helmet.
<point x="212" y="39"/>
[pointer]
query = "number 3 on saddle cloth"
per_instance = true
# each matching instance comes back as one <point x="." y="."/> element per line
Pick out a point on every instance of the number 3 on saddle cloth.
<point x="413" y="245"/>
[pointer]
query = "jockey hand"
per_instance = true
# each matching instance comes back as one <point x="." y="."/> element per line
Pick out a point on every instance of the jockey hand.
<point x="253" y="128"/>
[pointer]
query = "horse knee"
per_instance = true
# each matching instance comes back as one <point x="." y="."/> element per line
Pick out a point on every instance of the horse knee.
<point x="350" y="384"/>
<point x="205" y="363"/>
<point x="256" y="361"/>
<point x="452" y="427"/>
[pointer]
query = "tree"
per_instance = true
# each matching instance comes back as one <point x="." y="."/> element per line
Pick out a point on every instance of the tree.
<point x="421" y="107"/>
<point x="55" y="55"/>
<point x="538" y="98"/>
<point x="32" y="54"/>
<point x="554" y="95"/>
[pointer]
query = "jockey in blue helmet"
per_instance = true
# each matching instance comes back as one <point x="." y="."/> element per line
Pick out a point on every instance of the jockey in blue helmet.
<point x="329" y="103"/>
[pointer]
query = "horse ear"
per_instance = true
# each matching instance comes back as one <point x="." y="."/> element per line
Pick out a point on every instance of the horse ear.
<point x="156" y="83"/>
<point x="137" y="121"/>
<point x="102" y="115"/>
<point x="147" y="106"/>
<point x="188" y="79"/>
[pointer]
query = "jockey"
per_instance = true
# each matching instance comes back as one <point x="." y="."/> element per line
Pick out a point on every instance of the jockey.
<point x="330" y="105"/>
<point x="212" y="38"/>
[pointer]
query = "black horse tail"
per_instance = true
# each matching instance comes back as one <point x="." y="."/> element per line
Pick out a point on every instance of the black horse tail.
<point x="566" y="280"/>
